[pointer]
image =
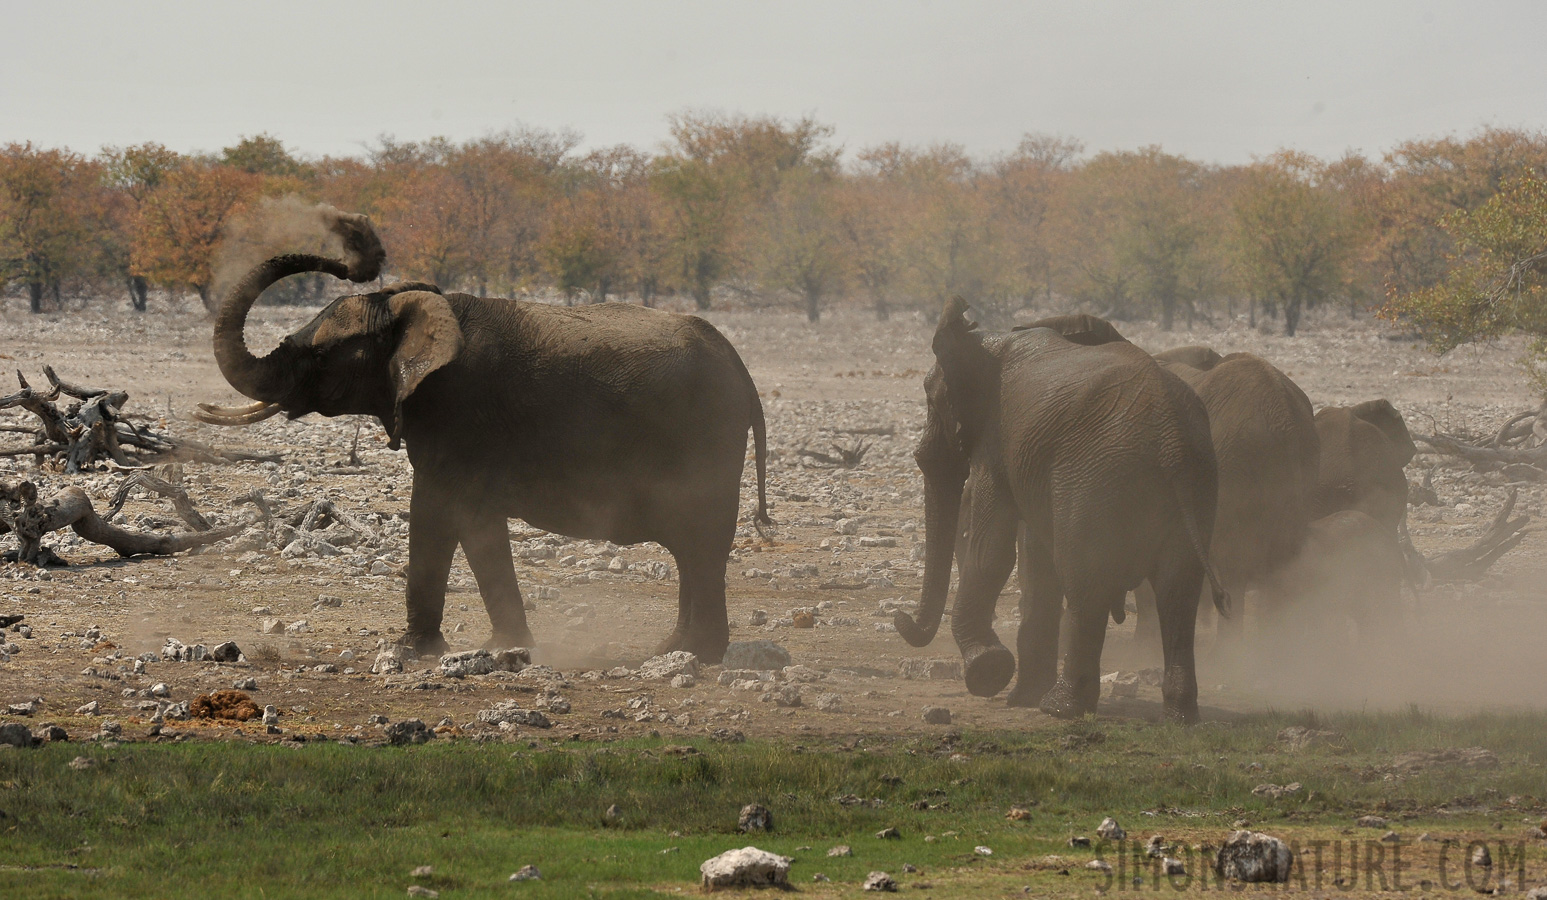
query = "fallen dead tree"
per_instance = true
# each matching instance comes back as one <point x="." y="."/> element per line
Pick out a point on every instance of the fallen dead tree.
<point x="1518" y="450"/>
<point x="1471" y="562"/>
<point x="95" y="428"/>
<point x="29" y="517"/>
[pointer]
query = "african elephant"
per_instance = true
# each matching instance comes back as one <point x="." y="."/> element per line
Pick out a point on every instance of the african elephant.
<point x="610" y="422"/>
<point x="1268" y="451"/>
<point x="1349" y="566"/>
<point x="1090" y="463"/>
<point x="1364" y="450"/>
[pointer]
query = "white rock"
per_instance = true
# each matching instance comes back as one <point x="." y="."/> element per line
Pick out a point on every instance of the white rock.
<point x="1109" y="830"/>
<point x="747" y="867"/>
<point x="1254" y="857"/>
<point x="670" y="665"/>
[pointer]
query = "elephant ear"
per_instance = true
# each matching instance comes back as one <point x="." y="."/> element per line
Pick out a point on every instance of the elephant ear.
<point x="970" y="372"/>
<point x="1384" y="416"/>
<point x="428" y="337"/>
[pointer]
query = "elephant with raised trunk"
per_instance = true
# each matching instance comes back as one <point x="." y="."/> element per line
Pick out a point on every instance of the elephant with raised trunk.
<point x="608" y="422"/>
<point x="1091" y="464"/>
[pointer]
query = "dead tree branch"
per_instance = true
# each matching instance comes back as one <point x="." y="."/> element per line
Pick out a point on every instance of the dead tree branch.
<point x="1469" y="563"/>
<point x="29" y="517"/>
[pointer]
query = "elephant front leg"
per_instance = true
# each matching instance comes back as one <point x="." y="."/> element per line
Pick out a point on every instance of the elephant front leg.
<point x="985" y="557"/>
<point x="1036" y="644"/>
<point x="486" y="541"/>
<point x="432" y="540"/>
<point x="1176" y="600"/>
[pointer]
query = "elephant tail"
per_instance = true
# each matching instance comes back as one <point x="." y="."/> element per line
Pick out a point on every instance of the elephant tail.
<point x="760" y="519"/>
<point x="1221" y="598"/>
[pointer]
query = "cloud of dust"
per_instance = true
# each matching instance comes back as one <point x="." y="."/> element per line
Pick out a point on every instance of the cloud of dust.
<point x="1452" y="648"/>
<point x="273" y="227"/>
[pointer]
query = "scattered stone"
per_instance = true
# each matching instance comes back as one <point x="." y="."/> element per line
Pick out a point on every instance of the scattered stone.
<point x="1274" y="791"/>
<point x="422" y="872"/>
<point x="81" y="763"/>
<point x="1252" y="856"/>
<point x="982" y="850"/>
<point x="1370" y="822"/>
<point x="510" y="713"/>
<point x="1155" y="846"/>
<point x="227" y="652"/>
<point x="910" y="869"/>
<point x="1173" y="866"/>
<point x="327" y="601"/>
<point x="840" y="850"/>
<point x="467" y="663"/>
<point x="1298" y="737"/>
<point x="754" y="817"/>
<point x="761" y="656"/>
<point x="819" y="878"/>
<point x="1109" y="830"/>
<point x="669" y="665"/>
<point x="16" y="735"/>
<point x="90" y="709"/>
<point x="889" y="834"/>
<point x="415" y="890"/>
<point x="747" y="867"/>
<point x="513" y="659"/>
<point x="298" y="627"/>
<point x="272" y="626"/>
<point x="245" y="684"/>
<point x="1121" y="685"/>
<point x="937" y="715"/>
<point x="683" y="681"/>
<point x="270" y="716"/>
<point x="1468" y="758"/>
<point x="1079" y="841"/>
<point x="1099" y="865"/>
<point x="804" y="617"/>
<point x="51" y="734"/>
<point x="1539" y="893"/>
<point x="390" y="660"/>
<point x="409" y="731"/>
<point x="1018" y="814"/>
<point x="1391" y="837"/>
<point x="828" y="702"/>
<point x="880" y="881"/>
<point x="613" y="814"/>
<point x="159" y="689"/>
<point x="527" y="872"/>
<point x="27" y="708"/>
<point x="758" y="617"/>
<point x="1481" y="857"/>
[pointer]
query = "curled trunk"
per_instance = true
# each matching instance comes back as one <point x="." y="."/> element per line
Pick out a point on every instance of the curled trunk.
<point x="260" y="379"/>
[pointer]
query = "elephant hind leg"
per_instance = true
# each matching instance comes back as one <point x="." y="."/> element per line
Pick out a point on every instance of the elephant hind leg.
<point x="486" y="541"/>
<point x="1176" y="601"/>
<point x="1079" y="688"/>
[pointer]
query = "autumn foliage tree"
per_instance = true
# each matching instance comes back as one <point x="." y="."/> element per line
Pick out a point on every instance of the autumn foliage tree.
<point x="47" y="200"/>
<point x="182" y="220"/>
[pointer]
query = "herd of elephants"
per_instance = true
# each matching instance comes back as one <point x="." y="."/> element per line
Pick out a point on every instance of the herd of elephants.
<point x="1099" y="468"/>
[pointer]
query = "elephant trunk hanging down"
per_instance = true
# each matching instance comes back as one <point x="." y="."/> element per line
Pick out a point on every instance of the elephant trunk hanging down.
<point x="609" y="422"/>
<point x="1093" y="466"/>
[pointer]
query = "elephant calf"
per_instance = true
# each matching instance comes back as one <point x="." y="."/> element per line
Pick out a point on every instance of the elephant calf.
<point x="609" y="422"/>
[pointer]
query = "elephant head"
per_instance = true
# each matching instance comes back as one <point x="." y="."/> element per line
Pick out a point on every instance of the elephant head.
<point x="962" y="394"/>
<point x="364" y="354"/>
<point x="1382" y="415"/>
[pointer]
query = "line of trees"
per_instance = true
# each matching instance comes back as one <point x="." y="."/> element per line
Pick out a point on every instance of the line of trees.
<point x="768" y="210"/>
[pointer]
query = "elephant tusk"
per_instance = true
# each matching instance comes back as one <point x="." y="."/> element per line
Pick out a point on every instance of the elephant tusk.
<point x="236" y="415"/>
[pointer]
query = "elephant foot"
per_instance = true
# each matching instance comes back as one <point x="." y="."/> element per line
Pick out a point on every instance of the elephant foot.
<point x="1028" y="692"/>
<point x="987" y="671"/>
<point x="508" y="639"/>
<point x="709" y="650"/>
<point x="1062" y="702"/>
<point x="430" y="643"/>
<point x="1179" y="690"/>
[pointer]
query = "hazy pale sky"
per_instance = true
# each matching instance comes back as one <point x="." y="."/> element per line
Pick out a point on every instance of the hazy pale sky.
<point x="1216" y="81"/>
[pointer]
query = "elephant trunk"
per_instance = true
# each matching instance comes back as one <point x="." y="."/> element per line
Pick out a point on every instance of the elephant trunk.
<point x="261" y="379"/>
<point x="267" y="379"/>
<point x="942" y="509"/>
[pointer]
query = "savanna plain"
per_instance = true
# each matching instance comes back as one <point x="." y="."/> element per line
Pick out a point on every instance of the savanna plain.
<point x="1387" y="757"/>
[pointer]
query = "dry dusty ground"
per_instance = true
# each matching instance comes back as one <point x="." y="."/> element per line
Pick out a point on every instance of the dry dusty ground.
<point x="845" y="543"/>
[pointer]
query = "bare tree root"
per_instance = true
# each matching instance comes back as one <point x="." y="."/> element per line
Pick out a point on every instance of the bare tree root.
<point x="95" y="428"/>
<point x="22" y="512"/>
<point x="1518" y="450"/>
<point x="1470" y="563"/>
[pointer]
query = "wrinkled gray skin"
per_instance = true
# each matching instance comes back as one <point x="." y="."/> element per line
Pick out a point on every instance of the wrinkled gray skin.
<point x="608" y="422"/>
<point x="1090" y="463"/>
<point x="1364" y="450"/>
<point x="1268" y="452"/>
